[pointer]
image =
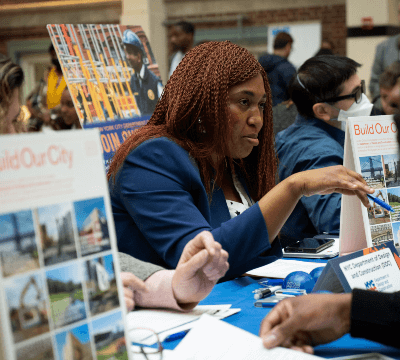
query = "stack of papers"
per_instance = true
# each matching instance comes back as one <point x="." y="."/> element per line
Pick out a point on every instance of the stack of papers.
<point x="212" y="339"/>
<point x="167" y="322"/>
<point x="282" y="268"/>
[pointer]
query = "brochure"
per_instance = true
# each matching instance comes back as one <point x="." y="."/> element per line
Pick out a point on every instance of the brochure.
<point x="60" y="292"/>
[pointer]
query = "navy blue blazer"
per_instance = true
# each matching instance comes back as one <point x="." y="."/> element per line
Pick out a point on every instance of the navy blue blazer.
<point x="159" y="204"/>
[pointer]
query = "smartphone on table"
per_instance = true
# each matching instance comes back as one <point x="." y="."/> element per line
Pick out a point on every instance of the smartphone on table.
<point x="309" y="245"/>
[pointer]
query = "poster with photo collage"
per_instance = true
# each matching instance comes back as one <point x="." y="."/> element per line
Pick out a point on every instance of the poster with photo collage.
<point x="60" y="293"/>
<point x="377" y="159"/>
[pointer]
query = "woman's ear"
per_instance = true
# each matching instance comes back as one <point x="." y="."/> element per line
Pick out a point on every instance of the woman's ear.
<point x="322" y="111"/>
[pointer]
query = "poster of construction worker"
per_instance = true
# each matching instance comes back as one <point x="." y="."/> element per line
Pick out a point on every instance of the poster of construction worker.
<point x="112" y="76"/>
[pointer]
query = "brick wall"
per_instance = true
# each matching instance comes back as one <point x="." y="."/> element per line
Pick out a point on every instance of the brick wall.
<point x="332" y="18"/>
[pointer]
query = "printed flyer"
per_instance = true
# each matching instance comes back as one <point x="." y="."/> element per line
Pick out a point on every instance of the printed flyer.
<point x="61" y="296"/>
<point x="112" y="76"/>
<point x="376" y="158"/>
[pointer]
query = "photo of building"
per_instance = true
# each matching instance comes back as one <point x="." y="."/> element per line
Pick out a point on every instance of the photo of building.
<point x="92" y="226"/>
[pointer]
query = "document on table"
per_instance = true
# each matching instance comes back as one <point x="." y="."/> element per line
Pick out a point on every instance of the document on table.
<point x="282" y="268"/>
<point x="166" y="322"/>
<point x="212" y="339"/>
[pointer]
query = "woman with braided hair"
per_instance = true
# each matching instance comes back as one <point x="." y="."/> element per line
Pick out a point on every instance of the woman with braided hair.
<point x="206" y="161"/>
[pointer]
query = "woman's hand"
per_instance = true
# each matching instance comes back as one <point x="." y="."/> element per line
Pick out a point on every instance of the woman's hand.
<point x="131" y="284"/>
<point x="279" y="202"/>
<point x="332" y="179"/>
<point x="202" y="263"/>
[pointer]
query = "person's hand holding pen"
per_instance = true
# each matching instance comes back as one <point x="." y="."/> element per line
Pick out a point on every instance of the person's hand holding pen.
<point x="202" y="263"/>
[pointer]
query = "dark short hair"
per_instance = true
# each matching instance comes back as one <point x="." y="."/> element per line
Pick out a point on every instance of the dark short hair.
<point x="187" y="27"/>
<point x="322" y="77"/>
<point x="281" y="40"/>
<point x="51" y="48"/>
<point x="389" y="77"/>
<point x="132" y="49"/>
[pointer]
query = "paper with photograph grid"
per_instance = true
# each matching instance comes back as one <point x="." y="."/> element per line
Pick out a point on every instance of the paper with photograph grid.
<point x="376" y="157"/>
<point x="60" y="292"/>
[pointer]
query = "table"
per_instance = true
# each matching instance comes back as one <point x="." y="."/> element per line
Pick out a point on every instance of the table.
<point x="238" y="292"/>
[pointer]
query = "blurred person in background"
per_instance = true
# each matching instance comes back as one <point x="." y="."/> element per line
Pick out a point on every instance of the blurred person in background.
<point x="68" y="118"/>
<point x="279" y="70"/>
<point x="326" y="48"/>
<point x="181" y="37"/>
<point x="387" y="103"/>
<point x="43" y="103"/>
<point x="11" y="79"/>
<point x="387" y="52"/>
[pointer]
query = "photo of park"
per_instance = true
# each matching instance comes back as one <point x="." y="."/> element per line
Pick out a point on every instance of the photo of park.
<point x="56" y="228"/>
<point x="394" y="201"/>
<point x="66" y="294"/>
<point x="376" y="213"/>
<point x="109" y="337"/>
<point x="372" y="171"/>
<point x="92" y="226"/>
<point x="27" y="307"/>
<point x="101" y="284"/>
<point x="74" y="344"/>
<point x="39" y="350"/>
<point x="381" y="233"/>
<point x="18" y="248"/>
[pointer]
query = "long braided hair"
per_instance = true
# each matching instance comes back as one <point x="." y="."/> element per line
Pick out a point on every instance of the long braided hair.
<point x="193" y="112"/>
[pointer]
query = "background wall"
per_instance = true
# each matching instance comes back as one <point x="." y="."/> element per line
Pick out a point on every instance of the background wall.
<point x="23" y="34"/>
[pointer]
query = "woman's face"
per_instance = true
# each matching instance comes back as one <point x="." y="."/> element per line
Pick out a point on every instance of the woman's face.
<point x="246" y="102"/>
<point x="12" y="114"/>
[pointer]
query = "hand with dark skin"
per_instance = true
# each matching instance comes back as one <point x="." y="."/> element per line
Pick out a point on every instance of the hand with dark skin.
<point x="302" y="322"/>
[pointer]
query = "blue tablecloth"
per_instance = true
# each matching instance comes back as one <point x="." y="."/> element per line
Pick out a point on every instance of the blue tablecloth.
<point x="238" y="292"/>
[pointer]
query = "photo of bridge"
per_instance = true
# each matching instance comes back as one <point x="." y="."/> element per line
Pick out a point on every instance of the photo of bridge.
<point x="372" y="171"/>
<point x="18" y="248"/>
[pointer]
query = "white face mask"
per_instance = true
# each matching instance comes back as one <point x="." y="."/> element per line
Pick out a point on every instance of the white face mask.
<point x="363" y="108"/>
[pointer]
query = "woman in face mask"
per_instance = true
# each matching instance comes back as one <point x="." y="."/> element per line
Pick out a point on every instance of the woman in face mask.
<point x="360" y="104"/>
<point x="325" y="90"/>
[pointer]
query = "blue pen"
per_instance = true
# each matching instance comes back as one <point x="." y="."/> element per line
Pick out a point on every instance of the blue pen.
<point x="294" y="292"/>
<point x="177" y="336"/>
<point x="271" y="282"/>
<point x="380" y="202"/>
